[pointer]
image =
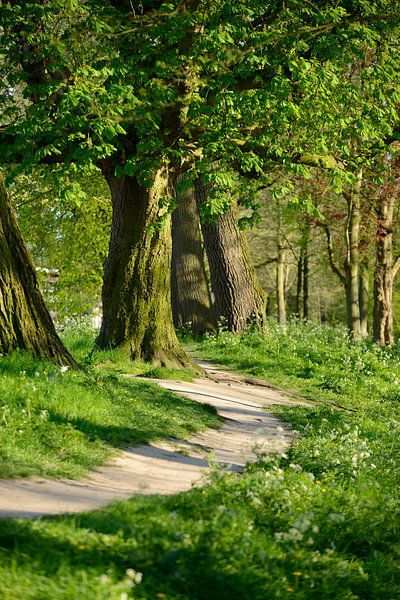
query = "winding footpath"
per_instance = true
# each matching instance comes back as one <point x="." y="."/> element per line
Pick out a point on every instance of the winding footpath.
<point x="168" y="466"/>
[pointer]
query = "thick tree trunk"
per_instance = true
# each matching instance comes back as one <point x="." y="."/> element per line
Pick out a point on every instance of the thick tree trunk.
<point x="384" y="273"/>
<point x="280" y="284"/>
<point x="239" y="298"/>
<point x="137" y="313"/>
<point x="363" y="297"/>
<point x="25" y="322"/>
<point x="191" y="299"/>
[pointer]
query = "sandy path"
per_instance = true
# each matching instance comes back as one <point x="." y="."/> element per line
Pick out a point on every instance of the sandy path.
<point x="168" y="466"/>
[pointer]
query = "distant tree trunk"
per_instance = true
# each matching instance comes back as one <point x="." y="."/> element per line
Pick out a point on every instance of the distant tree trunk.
<point x="350" y="278"/>
<point x="385" y="272"/>
<point x="363" y="297"/>
<point x="351" y="265"/>
<point x="280" y="283"/>
<point x="305" y="283"/>
<point x="137" y="314"/>
<point x="191" y="300"/>
<point x="25" y="322"/>
<point x="239" y="297"/>
<point x="299" y="286"/>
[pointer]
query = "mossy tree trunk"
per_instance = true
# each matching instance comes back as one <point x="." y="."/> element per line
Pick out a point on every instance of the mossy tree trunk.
<point x="191" y="299"/>
<point x="239" y="298"/>
<point x="137" y="313"/>
<point x="25" y="322"/>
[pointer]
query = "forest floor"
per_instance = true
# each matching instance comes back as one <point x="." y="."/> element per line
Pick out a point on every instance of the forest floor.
<point x="248" y="432"/>
<point x="318" y="522"/>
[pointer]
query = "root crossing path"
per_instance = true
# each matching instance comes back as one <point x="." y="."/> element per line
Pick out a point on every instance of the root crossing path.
<point x="167" y="466"/>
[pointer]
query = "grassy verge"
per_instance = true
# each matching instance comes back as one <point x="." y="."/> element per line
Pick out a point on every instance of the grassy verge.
<point x="60" y="424"/>
<point x="321" y="523"/>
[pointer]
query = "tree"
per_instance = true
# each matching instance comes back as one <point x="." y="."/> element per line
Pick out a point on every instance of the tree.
<point x="239" y="298"/>
<point x="386" y="265"/>
<point x="24" y="320"/>
<point x="191" y="299"/>
<point x="137" y="312"/>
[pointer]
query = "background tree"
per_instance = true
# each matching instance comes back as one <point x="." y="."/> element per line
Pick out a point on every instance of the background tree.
<point x="191" y="299"/>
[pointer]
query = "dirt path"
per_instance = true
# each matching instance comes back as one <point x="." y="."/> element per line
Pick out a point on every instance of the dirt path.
<point x="168" y="466"/>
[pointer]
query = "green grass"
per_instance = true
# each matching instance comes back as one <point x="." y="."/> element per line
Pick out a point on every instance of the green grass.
<point x="320" y="523"/>
<point x="61" y="424"/>
<point x="80" y="340"/>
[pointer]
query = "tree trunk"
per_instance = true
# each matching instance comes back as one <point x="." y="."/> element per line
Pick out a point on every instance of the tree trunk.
<point x="299" y="286"/>
<point x="280" y="284"/>
<point x="305" y="283"/>
<point x="239" y="298"/>
<point x="25" y="322"/>
<point x="137" y="313"/>
<point x="384" y="273"/>
<point x="191" y="300"/>
<point x="351" y="265"/>
<point x="363" y="297"/>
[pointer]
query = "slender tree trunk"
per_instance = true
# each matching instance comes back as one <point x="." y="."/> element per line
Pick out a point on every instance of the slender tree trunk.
<point x="137" y="313"/>
<point x="191" y="300"/>
<point x="305" y="283"/>
<point x="239" y="297"/>
<point x="25" y="322"/>
<point x="384" y="273"/>
<point x="280" y="284"/>
<point x="299" y="286"/>
<point x="351" y="266"/>
<point x="363" y="297"/>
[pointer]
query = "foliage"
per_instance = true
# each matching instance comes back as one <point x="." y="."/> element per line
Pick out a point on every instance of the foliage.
<point x="242" y="85"/>
<point x="320" y="523"/>
<point x="60" y="423"/>
<point x="66" y="226"/>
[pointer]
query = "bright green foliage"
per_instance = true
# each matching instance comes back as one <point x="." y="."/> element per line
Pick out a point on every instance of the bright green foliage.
<point x="67" y="235"/>
<point x="60" y="424"/>
<point x="247" y="85"/>
<point x="321" y="523"/>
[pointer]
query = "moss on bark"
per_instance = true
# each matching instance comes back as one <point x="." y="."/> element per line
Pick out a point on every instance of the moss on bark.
<point x="137" y="313"/>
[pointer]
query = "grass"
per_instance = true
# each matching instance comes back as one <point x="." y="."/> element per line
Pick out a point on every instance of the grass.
<point x="320" y="523"/>
<point x="62" y="424"/>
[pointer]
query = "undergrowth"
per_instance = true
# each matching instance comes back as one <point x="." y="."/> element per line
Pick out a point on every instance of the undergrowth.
<point x="319" y="523"/>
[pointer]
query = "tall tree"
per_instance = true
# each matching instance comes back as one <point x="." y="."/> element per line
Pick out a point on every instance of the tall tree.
<point x="191" y="299"/>
<point x="386" y="265"/>
<point x="238" y="297"/>
<point x="137" y="312"/>
<point x="25" y="322"/>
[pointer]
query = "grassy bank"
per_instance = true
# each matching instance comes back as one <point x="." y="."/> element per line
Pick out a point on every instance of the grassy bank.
<point x="60" y="424"/>
<point x="321" y="523"/>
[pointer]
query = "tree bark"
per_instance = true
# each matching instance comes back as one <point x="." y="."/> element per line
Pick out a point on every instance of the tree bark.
<point x="137" y="313"/>
<point x="363" y="297"/>
<point x="299" y="284"/>
<point x="385" y="271"/>
<point x="239" y="298"/>
<point x="25" y="322"/>
<point x="191" y="299"/>
<point x="305" y="282"/>
<point x="280" y="283"/>
<point x="351" y="264"/>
